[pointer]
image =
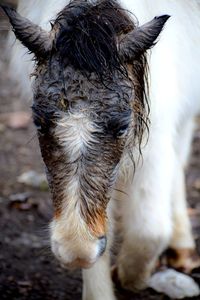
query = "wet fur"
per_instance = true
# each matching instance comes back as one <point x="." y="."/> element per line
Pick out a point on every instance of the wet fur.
<point x="72" y="69"/>
<point x="88" y="39"/>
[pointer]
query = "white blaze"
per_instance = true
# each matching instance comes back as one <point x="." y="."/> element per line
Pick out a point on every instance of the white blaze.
<point x="75" y="133"/>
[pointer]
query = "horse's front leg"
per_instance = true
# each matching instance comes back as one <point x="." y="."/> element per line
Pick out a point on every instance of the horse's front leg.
<point x="182" y="255"/>
<point x="97" y="284"/>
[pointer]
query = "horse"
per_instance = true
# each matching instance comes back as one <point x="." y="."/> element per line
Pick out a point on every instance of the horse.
<point x="115" y="126"/>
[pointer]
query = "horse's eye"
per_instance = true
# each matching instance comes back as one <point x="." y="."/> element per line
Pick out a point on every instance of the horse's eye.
<point x="117" y="124"/>
<point x="122" y="130"/>
<point x="117" y="129"/>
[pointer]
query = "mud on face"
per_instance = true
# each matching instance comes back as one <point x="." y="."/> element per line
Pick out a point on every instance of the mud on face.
<point x="82" y="127"/>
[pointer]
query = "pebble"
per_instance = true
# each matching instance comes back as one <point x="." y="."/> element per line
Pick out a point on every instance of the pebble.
<point x="34" y="179"/>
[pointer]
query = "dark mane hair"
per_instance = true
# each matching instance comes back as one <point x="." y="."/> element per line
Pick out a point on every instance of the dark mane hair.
<point x="88" y="35"/>
<point x="88" y="38"/>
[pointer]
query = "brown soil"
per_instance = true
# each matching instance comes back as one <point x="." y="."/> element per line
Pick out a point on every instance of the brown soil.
<point x="27" y="268"/>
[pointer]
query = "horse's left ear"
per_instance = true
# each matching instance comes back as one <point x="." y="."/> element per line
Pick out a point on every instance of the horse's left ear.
<point x="32" y="36"/>
<point x="136" y="42"/>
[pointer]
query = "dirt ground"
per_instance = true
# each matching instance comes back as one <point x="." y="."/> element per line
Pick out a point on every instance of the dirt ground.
<point x="27" y="268"/>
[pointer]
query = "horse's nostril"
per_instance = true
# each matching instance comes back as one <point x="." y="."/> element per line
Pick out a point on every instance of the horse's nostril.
<point x="102" y="244"/>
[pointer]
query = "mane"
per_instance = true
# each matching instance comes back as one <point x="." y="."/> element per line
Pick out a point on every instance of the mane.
<point x="88" y="35"/>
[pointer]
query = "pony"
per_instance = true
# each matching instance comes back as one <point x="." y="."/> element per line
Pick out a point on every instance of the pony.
<point x="100" y="102"/>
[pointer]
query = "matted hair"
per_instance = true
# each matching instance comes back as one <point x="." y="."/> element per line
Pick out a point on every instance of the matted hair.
<point x="88" y="39"/>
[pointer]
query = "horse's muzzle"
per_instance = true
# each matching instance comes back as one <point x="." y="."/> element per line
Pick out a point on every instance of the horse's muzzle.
<point x="80" y="255"/>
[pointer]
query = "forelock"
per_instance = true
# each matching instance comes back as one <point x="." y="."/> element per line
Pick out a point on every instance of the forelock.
<point x="88" y="35"/>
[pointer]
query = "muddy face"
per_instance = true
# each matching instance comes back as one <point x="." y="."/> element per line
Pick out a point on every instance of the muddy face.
<point x="82" y="127"/>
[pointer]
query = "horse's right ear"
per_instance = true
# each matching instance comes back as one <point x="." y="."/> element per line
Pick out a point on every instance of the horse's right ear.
<point x="139" y="40"/>
<point x="32" y="36"/>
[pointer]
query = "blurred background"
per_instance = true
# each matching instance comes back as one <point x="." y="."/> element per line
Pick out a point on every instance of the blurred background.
<point x="27" y="268"/>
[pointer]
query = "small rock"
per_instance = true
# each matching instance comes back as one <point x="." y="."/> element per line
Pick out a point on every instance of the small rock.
<point x="34" y="179"/>
<point x="21" y="197"/>
<point x="174" y="284"/>
<point x="21" y="206"/>
<point x="24" y="283"/>
<point x="22" y="201"/>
